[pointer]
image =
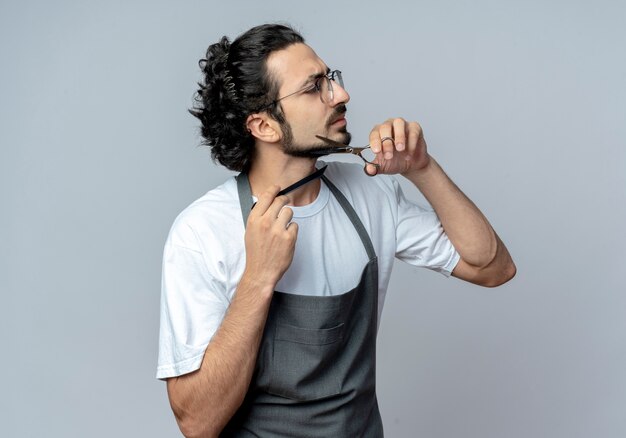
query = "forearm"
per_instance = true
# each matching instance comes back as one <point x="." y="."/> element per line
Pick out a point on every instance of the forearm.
<point x="484" y="258"/>
<point x="466" y="227"/>
<point x="205" y="400"/>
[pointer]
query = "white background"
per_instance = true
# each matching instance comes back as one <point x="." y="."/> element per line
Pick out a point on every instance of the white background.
<point x="523" y="103"/>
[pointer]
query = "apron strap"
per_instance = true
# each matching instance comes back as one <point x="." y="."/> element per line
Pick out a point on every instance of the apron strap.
<point x="245" y="196"/>
<point x="246" y="203"/>
<point x="244" y="187"/>
<point x="354" y="218"/>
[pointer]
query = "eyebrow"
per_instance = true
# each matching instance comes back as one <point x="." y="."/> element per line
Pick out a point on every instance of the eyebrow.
<point x="314" y="76"/>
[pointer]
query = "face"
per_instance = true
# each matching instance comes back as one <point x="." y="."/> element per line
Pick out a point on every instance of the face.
<point x="296" y="68"/>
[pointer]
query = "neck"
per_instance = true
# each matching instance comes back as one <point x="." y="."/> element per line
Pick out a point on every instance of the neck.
<point x="284" y="170"/>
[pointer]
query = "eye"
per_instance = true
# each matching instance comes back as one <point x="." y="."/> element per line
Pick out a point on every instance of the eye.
<point x="313" y="88"/>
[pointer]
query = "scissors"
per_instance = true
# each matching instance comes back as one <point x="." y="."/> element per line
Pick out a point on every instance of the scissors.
<point x="340" y="148"/>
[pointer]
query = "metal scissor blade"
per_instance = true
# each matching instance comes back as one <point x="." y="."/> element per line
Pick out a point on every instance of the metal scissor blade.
<point x="343" y="148"/>
<point x="338" y="147"/>
<point x="328" y="151"/>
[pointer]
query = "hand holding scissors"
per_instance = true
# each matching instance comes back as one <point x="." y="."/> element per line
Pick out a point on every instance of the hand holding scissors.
<point x="399" y="147"/>
<point x="405" y="153"/>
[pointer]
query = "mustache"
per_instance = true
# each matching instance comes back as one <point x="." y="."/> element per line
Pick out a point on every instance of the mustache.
<point x="339" y="110"/>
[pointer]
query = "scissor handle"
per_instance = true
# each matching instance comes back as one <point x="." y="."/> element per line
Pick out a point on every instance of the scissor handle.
<point x="357" y="151"/>
<point x="342" y="148"/>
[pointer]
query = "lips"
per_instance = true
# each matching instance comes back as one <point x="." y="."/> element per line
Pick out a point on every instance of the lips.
<point x="339" y="113"/>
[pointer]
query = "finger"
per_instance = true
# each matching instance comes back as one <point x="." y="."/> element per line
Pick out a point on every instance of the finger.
<point x="292" y="228"/>
<point x="375" y="140"/>
<point x="284" y="217"/>
<point x="370" y="170"/>
<point x="399" y="136"/>
<point x="265" y="199"/>
<point x="386" y="130"/>
<point x="274" y="209"/>
<point x="413" y="140"/>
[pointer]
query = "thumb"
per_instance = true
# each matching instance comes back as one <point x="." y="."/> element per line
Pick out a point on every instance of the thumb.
<point x="370" y="170"/>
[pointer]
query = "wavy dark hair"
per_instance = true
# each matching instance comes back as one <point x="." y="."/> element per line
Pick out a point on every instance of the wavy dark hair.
<point x="236" y="84"/>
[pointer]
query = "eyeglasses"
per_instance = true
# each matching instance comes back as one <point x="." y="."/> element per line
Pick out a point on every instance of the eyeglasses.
<point x="323" y="85"/>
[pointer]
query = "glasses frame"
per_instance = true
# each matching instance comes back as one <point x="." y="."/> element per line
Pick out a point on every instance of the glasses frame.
<point x="330" y="77"/>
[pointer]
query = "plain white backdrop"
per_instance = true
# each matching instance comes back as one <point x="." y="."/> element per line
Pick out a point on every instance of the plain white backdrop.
<point x="523" y="103"/>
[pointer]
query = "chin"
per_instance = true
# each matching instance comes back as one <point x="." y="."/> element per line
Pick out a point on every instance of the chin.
<point x="303" y="150"/>
<point x="345" y="136"/>
<point x="339" y="134"/>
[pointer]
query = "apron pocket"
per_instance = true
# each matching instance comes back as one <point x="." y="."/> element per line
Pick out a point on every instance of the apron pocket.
<point x="304" y="362"/>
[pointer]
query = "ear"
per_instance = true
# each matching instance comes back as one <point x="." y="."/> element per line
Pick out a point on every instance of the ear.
<point x="263" y="127"/>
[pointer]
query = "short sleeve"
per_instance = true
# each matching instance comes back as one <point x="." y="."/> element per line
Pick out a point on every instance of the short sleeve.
<point x="193" y="304"/>
<point x="420" y="238"/>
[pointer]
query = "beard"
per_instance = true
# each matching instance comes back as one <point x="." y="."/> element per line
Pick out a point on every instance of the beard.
<point x="310" y="150"/>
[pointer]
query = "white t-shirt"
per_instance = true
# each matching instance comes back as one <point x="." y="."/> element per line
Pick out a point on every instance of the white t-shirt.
<point x="204" y="256"/>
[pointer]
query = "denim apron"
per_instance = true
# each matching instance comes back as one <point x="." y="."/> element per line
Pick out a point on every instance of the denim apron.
<point x="315" y="374"/>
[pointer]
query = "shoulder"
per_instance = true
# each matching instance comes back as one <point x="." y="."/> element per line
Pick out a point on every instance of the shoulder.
<point x="207" y="217"/>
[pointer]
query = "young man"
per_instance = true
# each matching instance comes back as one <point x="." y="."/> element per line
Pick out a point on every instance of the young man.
<point x="270" y="309"/>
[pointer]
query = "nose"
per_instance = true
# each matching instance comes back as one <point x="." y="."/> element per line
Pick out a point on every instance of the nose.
<point x="340" y="95"/>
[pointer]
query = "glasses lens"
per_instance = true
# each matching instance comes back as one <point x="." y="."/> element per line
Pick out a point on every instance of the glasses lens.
<point x="338" y="78"/>
<point x="326" y="87"/>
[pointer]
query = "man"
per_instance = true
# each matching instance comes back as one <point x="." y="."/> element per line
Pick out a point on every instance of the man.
<point x="270" y="309"/>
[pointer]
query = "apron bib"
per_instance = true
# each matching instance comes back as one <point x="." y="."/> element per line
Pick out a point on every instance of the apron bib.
<point x="315" y="374"/>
